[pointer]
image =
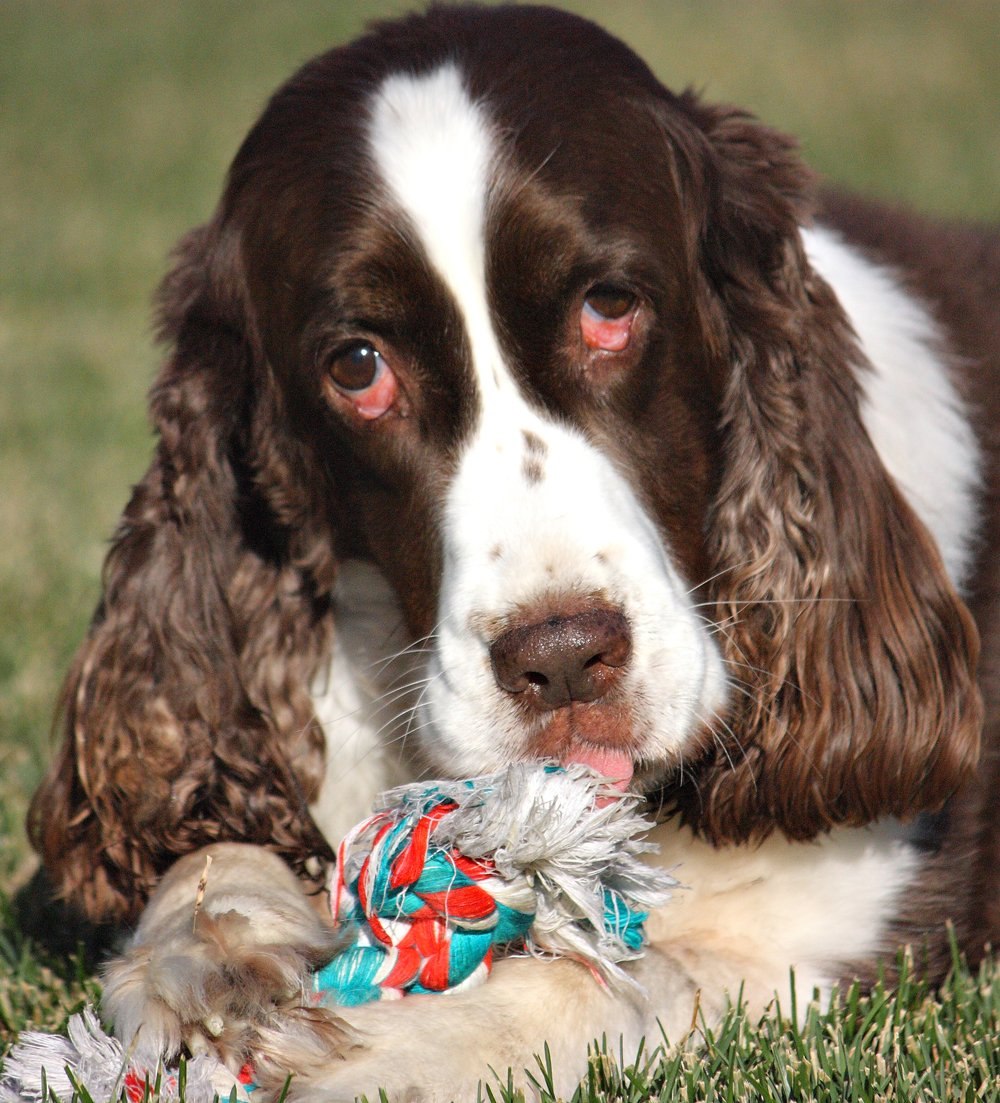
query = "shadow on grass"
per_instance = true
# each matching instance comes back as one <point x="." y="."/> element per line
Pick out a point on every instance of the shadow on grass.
<point x="49" y="958"/>
<point x="58" y="929"/>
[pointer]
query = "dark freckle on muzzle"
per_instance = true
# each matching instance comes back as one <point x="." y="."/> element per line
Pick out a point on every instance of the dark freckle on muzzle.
<point x="533" y="443"/>
<point x="532" y="471"/>
<point x="535" y="449"/>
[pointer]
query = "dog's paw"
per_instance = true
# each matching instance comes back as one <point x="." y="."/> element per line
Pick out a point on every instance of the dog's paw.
<point x="221" y="962"/>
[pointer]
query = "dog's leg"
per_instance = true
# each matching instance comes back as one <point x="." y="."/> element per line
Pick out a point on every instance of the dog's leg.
<point x="221" y="962"/>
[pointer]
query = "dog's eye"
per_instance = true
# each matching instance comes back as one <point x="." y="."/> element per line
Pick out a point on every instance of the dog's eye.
<point x="357" y="367"/>
<point x="606" y="317"/>
<point x="362" y="375"/>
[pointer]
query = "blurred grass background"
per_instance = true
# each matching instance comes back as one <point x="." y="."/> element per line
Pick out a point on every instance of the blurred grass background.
<point x="117" y="121"/>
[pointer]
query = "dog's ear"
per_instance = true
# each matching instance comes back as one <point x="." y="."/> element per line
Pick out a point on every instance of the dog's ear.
<point x="853" y="658"/>
<point x="187" y="717"/>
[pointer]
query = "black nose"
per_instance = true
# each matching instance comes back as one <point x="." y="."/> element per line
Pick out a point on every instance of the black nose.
<point x="563" y="658"/>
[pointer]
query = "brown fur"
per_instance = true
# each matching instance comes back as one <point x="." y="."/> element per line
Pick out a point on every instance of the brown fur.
<point x="187" y="716"/>
<point x="856" y="654"/>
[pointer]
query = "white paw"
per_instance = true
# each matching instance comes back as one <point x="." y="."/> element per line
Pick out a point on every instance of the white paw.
<point x="222" y="964"/>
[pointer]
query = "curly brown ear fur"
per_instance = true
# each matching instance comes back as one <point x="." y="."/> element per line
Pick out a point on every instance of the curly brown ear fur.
<point x="853" y="657"/>
<point x="187" y="717"/>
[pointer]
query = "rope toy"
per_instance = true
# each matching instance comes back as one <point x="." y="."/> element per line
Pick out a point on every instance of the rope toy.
<point x="446" y="876"/>
<point x="90" y="1064"/>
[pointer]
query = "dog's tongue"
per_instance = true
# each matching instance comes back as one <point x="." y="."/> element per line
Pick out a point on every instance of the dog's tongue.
<point x="613" y="765"/>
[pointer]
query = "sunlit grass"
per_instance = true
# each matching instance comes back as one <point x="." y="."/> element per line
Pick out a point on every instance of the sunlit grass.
<point x="907" y="1045"/>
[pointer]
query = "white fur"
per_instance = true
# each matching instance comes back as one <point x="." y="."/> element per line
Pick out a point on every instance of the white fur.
<point x="509" y="541"/>
<point x="912" y="411"/>
<point x="364" y="700"/>
<point x="747" y="917"/>
<point x="748" y="914"/>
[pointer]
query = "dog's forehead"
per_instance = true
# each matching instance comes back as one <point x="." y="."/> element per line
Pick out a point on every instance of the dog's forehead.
<point x="472" y="104"/>
<point x="595" y="143"/>
<point x="454" y="200"/>
<point x="454" y="169"/>
<point x="434" y="149"/>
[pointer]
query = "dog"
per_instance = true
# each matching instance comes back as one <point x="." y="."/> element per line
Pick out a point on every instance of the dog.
<point x="518" y="408"/>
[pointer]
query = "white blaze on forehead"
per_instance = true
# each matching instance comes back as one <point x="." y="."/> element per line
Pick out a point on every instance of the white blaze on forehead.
<point x="533" y="509"/>
<point x="433" y="147"/>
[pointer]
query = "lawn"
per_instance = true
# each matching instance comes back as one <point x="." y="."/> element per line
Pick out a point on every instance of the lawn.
<point x="118" y="122"/>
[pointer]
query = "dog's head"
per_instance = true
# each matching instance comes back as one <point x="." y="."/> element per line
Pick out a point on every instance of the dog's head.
<point x="485" y="305"/>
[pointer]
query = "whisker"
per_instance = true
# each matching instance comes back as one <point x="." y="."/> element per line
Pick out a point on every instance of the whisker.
<point x="749" y="602"/>
<point x="718" y="574"/>
<point x="415" y="648"/>
<point x="739" y="744"/>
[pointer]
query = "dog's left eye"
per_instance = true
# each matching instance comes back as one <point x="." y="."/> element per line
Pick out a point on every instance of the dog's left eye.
<point x="363" y="376"/>
<point x="606" y="317"/>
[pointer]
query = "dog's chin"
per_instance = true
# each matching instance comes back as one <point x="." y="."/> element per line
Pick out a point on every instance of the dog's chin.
<point x="599" y="735"/>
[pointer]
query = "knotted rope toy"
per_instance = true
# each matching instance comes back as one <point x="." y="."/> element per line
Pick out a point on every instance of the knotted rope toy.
<point x="89" y="1064"/>
<point x="443" y="878"/>
<point x="446" y="876"/>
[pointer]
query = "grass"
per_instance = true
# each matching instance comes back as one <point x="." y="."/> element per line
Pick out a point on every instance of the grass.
<point x="119" y="120"/>
<point x="38" y="991"/>
<point x="910" y="1045"/>
<point x="906" y="1046"/>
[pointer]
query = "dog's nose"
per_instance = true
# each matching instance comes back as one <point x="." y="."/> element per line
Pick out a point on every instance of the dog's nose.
<point x="563" y="658"/>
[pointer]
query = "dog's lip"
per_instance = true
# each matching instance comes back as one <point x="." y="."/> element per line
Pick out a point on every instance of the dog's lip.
<point x="611" y="763"/>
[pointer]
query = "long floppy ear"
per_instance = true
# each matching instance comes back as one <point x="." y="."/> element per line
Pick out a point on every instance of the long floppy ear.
<point x="187" y="717"/>
<point x="853" y="657"/>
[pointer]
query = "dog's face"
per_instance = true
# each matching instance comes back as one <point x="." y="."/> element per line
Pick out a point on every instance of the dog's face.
<point x="548" y="342"/>
<point x="510" y="386"/>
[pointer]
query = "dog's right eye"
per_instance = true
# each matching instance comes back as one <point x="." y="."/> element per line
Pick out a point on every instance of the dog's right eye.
<point x="607" y="316"/>
<point x="362" y="375"/>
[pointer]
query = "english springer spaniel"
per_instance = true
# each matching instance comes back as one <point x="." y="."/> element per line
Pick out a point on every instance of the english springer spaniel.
<point x="520" y="408"/>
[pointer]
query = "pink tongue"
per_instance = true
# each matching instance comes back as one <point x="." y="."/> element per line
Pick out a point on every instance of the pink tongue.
<point x="614" y="765"/>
